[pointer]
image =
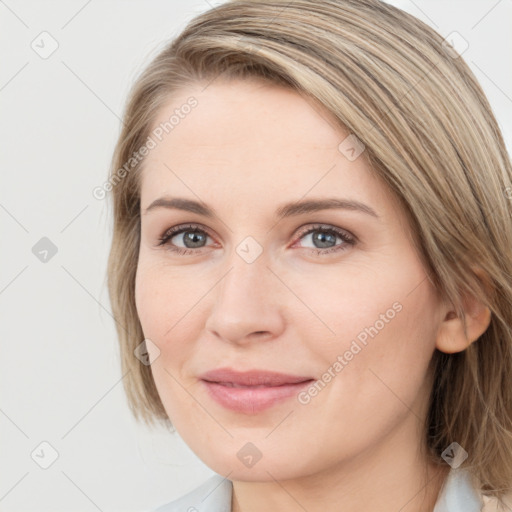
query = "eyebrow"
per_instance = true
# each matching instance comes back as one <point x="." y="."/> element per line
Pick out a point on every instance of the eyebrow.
<point x="285" y="210"/>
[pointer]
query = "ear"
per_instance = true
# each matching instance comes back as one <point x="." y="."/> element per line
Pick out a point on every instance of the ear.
<point x="451" y="336"/>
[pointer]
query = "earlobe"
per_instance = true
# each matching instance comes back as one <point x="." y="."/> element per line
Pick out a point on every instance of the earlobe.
<point x="452" y="337"/>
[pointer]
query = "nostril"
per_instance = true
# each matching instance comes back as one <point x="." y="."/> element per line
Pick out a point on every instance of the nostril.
<point x="260" y="333"/>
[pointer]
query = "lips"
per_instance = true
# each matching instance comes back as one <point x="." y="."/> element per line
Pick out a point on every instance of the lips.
<point x="253" y="391"/>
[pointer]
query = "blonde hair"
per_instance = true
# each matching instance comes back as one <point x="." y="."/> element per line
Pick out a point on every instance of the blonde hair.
<point x="430" y="135"/>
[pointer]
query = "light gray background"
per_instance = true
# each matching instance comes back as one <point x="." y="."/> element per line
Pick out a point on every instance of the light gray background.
<point x="60" y="372"/>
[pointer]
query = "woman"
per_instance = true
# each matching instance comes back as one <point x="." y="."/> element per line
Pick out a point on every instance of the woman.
<point x="311" y="260"/>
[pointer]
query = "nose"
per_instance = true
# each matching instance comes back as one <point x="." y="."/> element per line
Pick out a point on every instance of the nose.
<point x="248" y="303"/>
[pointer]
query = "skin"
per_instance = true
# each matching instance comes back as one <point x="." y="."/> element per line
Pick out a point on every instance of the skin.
<point x="245" y="149"/>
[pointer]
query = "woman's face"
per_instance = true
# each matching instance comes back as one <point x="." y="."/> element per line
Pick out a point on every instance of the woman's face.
<point x="334" y="297"/>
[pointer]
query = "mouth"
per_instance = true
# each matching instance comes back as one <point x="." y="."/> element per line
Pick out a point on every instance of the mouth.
<point x="254" y="391"/>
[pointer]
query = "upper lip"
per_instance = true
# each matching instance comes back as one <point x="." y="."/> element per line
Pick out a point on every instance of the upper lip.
<point x="252" y="377"/>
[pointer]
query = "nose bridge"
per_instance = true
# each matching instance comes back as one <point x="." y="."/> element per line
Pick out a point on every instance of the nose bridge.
<point x="246" y="299"/>
<point x="244" y="280"/>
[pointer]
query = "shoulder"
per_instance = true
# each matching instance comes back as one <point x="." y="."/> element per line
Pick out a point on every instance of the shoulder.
<point x="214" y="495"/>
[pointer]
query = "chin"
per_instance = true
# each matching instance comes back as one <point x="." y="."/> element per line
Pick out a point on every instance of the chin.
<point x="243" y="461"/>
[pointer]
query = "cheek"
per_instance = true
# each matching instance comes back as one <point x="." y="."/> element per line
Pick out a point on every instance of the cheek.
<point x="165" y="299"/>
<point x="382" y="325"/>
<point x="362" y="301"/>
<point x="165" y="308"/>
<point x="381" y="367"/>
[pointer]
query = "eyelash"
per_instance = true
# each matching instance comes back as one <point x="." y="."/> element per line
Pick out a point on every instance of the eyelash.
<point x="348" y="239"/>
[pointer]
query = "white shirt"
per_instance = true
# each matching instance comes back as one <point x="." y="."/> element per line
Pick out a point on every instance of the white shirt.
<point x="214" y="495"/>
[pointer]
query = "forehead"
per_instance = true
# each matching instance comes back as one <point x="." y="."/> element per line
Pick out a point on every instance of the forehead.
<point x="255" y="107"/>
<point x="255" y="141"/>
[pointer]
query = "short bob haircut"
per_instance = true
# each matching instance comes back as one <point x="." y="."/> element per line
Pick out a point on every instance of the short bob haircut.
<point x="430" y="135"/>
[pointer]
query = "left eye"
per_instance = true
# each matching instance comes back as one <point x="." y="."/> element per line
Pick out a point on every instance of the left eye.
<point x="194" y="237"/>
<point x="324" y="236"/>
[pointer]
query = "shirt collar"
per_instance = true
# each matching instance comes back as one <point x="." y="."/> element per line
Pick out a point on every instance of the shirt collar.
<point x="458" y="494"/>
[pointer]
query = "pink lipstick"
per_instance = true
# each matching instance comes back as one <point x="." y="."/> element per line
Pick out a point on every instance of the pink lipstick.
<point x="253" y="391"/>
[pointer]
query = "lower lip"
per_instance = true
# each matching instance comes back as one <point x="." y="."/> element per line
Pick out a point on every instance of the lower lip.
<point x="252" y="400"/>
